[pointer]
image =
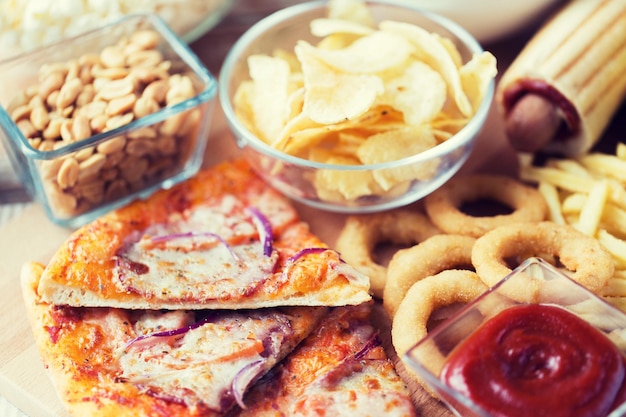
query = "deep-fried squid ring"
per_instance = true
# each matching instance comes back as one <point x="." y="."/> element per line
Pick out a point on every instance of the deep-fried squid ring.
<point x="444" y="205"/>
<point x="361" y="233"/>
<point x="431" y="256"/>
<point x="410" y="324"/>
<point x="589" y="263"/>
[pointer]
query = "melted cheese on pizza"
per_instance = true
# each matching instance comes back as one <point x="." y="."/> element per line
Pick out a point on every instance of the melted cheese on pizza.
<point x="206" y="363"/>
<point x="212" y="251"/>
<point x="221" y="239"/>
<point x="339" y="370"/>
<point x="371" y="390"/>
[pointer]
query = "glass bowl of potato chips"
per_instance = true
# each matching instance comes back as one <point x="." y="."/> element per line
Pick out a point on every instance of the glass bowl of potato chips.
<point x="353" y="106"/>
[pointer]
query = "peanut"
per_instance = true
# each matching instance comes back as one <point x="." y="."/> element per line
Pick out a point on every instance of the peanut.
<point x="121" y="105"/>
<point x="145" y="39"/>
<point x="86" y="95"/>
<point x="145" y="106"/>
<point x="68" y="93"/>
<point x="99" y="92"/>
<point x="51" y="83"/>
<point x="116" y="189"/>
<point x="80" y="127"/>
<point x="140" y="147"/>
<point x="112" y="57"/>
<point x="112" y="145"/>
<point x="21" y="112"/>
<point x="149" y="58"/>
<point x="156" y="90"/>
<point x="68" y="173"/>
<point x="90" y="167"/>
<point x="116" y="88"/>
<point x="27" y="128"/>
<point x="53" y="130"/>
<point x="66" y="130"/>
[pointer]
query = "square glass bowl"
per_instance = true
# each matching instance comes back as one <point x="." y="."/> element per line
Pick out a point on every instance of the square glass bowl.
<point x="340" y="187"/>
<point x="106" y="117"/>
<point x="533" y="282"/>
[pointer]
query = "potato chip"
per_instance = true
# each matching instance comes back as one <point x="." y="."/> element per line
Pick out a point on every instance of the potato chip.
<point x="436" y="55"/>
<point x="271" y="80"/>
<point x="419" y="93"/>
<point x="350" y="10"/>
<point x="348" y="143"/>
<point x="341" y="185"/>
<point x="303" y="138"/>
<point x="299" y="123"/>
<point x="369" y="54"/>
<point x="294" y="65"/>
<point x="295" y="103"/>
<point x="476" y="75"/>
<point x="336" y="41"/>
<point x="332" y="96"/>
<point x="397" y="144"/>
<point x="451" y="48"/>
<point x="323" y="27"/>
<point x="242" y="106"/>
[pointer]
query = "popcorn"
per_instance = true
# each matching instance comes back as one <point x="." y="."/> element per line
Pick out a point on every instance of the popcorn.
<point x="29" y="24"/>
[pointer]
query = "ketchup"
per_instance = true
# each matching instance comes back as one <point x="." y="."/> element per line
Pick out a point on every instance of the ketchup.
<point x="538" y="360"/>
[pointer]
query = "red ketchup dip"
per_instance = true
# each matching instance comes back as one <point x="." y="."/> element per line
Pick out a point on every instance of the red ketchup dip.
<point x="538" y="360"/>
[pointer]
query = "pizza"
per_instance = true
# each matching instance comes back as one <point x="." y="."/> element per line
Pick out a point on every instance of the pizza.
<point x="220" y="240"/>
<point x="180" y="304"/>
<point x="117" y="362"/>
<point x="341" y="369"/>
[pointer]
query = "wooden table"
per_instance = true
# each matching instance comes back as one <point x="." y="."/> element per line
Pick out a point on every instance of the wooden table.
<point x="30" y="236"/>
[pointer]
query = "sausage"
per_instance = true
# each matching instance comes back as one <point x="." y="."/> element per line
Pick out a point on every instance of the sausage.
<point x="562" y="90"/>
<point x="532" y="123"/>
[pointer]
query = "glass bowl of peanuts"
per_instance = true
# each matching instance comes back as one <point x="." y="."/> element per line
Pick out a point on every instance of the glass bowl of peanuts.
<point x="106" y="117"/>
<point x="356" y="107"/>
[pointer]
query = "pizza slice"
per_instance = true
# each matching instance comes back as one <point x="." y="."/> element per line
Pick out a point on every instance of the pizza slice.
<point x="220" y="240"/>
<point x="116" y="362"/>
<point x="341" y="369"/>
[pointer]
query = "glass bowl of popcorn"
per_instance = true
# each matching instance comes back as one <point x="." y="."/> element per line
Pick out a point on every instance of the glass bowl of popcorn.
<point x="106" y="117"/>
<point x="354" y="106"/>
<point x="26" y="25"/>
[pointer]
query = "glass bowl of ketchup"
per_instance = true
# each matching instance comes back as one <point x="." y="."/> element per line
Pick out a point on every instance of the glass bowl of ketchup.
<point x="535" y="344"/>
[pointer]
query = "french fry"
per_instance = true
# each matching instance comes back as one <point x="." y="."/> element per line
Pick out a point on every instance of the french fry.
<point x="616" y="246"/>
<point x="551" y="195"/>
<point x="589" y="193"/>
<point x="591" y="212"/>
<point x="609" y="166"/>
<point x="621" y="151"/>
<point x="614" y="220"/>
<point x="557" y="177"/>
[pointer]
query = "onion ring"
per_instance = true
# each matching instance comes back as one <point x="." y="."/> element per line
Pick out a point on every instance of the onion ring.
<point x="446" y="288"/>
<point x="431" y="256"/>
<point x="443" y="206"/>
<point x="583" y="256"/>
<point x="361" y="233"/>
